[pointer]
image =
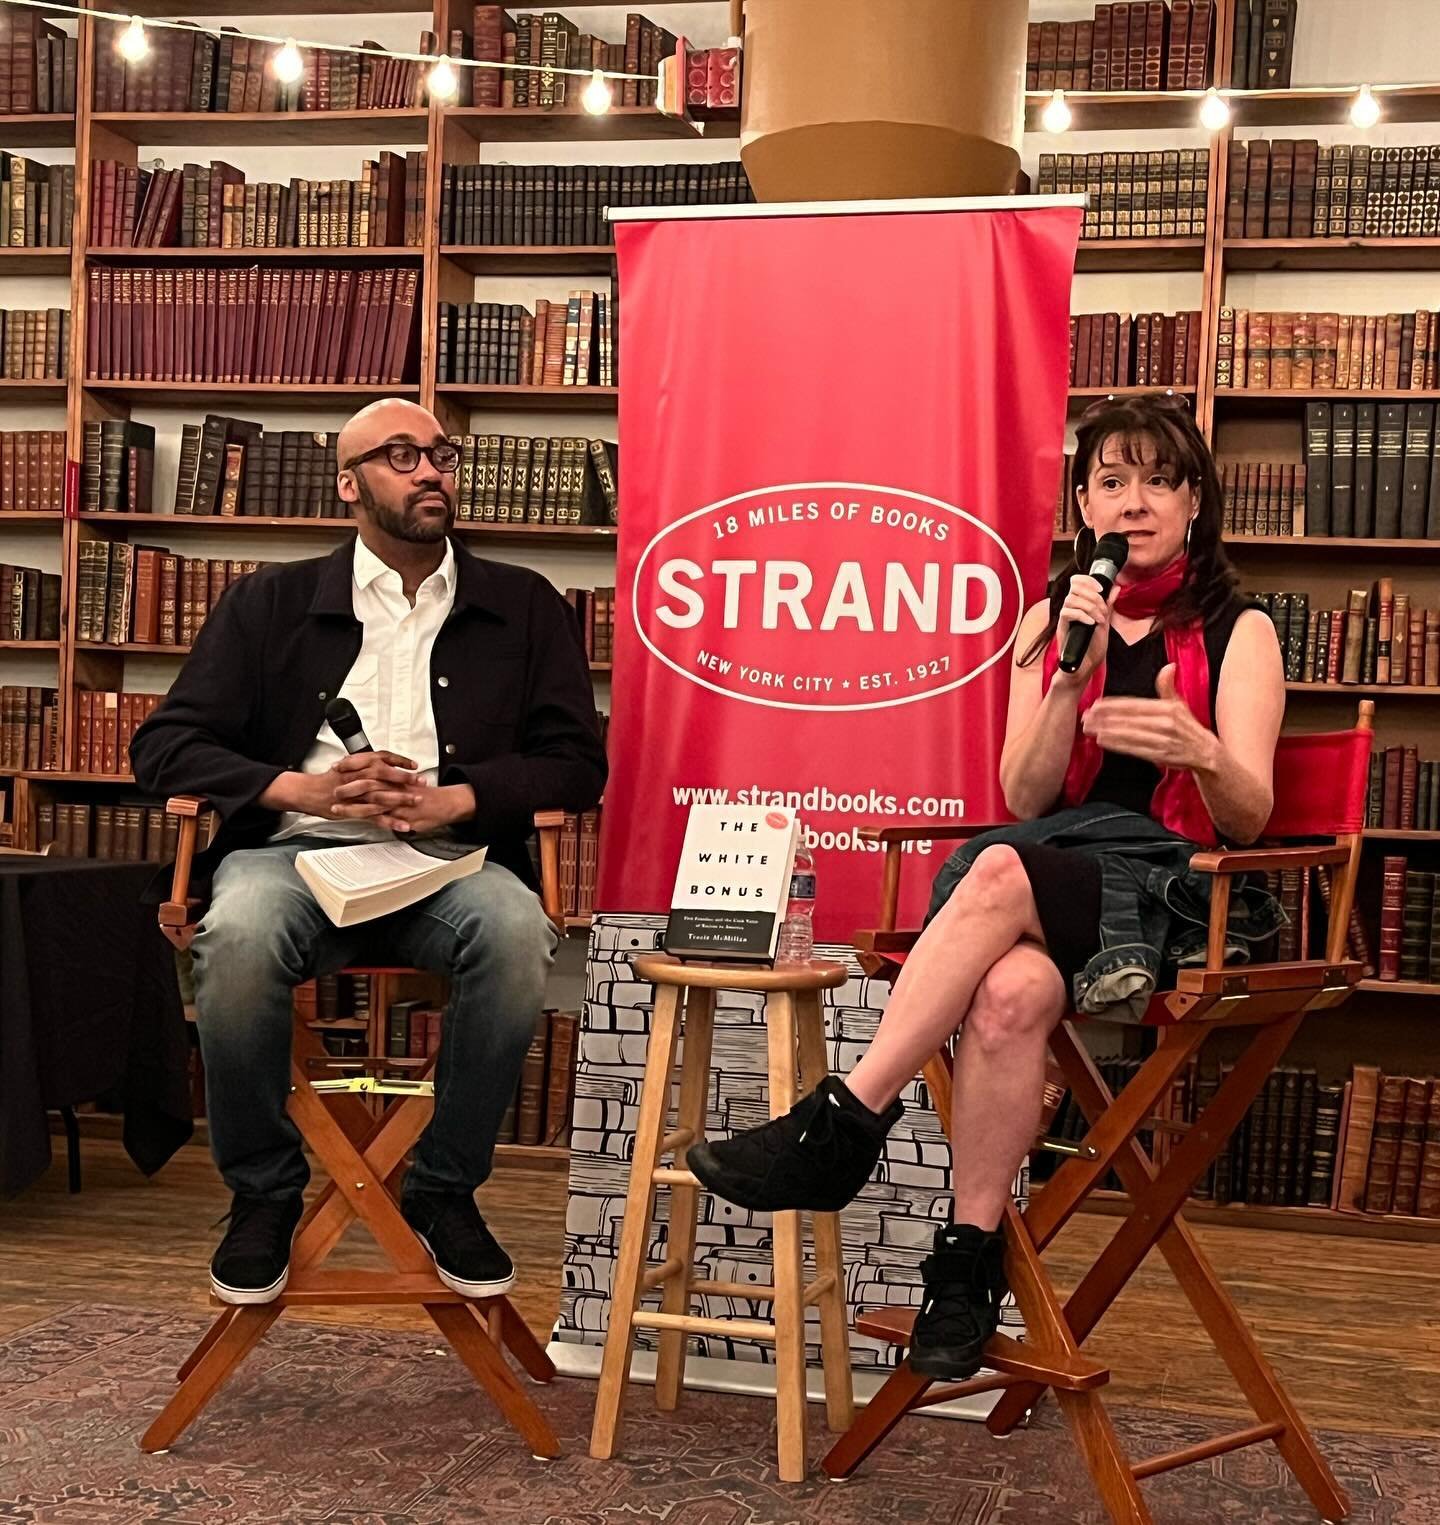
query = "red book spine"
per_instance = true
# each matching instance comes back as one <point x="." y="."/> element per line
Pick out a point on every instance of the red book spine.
<point x="1392" y="916"/>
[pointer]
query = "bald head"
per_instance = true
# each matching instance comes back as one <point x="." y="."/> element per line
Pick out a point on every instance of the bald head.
<point x="389" y="418"/>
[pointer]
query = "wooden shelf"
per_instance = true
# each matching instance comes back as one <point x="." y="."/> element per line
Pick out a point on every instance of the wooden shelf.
<point x="294" y="394"/>
<point x="1089" y="394"/>
<point x="530" y="259"/>
<point x="31" y="516"/>
<point x="621" y="124"/>
<point x="31" y="391"/>
<point x="223" y="521"/>
<point x="1271" y="398"/>
<point x="226" y="8"/>
<point x="73" y="776"/>
<point x="540" y="399"/>
<point x="34" y="262"/>
<point x="29" y="645"/>
<point x="1401" y="987"/>
<point x="272" y="129"/>
<point x="1368" y="690"/>
<point x="601" y="667"/>
<point x="1317" y="108"/>
<point x="135" y="648"/>
<point x="346" y="254"/>
<point x="1348" y="543"/>
<point x="1331" y="253"/>
<point x="1141" y="254"/>
<point x="1126" y="110"/>
<point x="52" y="131"/>
<point x="1304" y="1220"/>
<point x="599" y="535"/>
<point x="1398" y="834"/>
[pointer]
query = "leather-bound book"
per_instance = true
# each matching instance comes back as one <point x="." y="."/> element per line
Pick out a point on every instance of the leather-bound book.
<point x="1427" y="1200"/>
<point x="1415" y="477"/>
<point x="1415" y="928"/>
<point x="1392" y="911"/>
<point x="1389" y="468"/>
<point x="530" y="1107"/>
<point x="1325" y="1137"/>
<point x="1317" y="468"/>
<point x="1385" y="1144"/>
<point x="1356" y="1136"/>
<point x="564" y="1029"/>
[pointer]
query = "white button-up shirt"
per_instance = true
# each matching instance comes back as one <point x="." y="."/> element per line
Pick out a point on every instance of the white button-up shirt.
<point x="389" y="685"/>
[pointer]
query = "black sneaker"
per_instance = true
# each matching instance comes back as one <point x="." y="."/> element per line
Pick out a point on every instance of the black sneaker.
<point x="253" y="1261"/>
<point x="815" y="1158"/>
<point x="964" y="1283"/>
<point x="467" y="1255"/>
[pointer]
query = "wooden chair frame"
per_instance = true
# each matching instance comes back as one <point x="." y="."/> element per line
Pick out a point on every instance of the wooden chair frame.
<point x="1271" y="1000"/>
<point x="363" y="1156"/>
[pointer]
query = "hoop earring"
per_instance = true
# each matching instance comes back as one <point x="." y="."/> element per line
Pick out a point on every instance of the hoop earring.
<point x="1189" y="525"/>
<point x="1084" y="529"/>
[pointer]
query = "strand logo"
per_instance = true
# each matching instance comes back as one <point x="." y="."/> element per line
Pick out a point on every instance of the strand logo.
<point x="828" y="596"/>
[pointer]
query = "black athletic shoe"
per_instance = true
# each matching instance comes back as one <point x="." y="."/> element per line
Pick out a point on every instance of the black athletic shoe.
<point x="467" y="1255"/>
<point x="964" y="1283"/>
<point x="253" y="1261"/>
<point x="815" y="1158"/>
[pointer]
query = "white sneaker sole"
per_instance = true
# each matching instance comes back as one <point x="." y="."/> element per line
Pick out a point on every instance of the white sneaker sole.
<point x="248" y="1296"/>
<point x="467" y="1288"/>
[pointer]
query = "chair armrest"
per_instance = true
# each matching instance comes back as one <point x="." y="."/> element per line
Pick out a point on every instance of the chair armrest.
<point x="925" y="831"/>
<point x="1255" y="859"/>
<point x="548" y="825"/>
<point x="175" y="914"/>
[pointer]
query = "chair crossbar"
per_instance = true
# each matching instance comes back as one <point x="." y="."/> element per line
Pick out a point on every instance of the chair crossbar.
<point x="1237" y="1440"/>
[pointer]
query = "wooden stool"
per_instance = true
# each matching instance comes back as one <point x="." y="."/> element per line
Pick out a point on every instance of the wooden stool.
<point x="792" y="1010"/>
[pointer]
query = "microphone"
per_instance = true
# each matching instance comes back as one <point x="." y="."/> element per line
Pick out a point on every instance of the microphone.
<point x="345" y="722"/>
<point x="1105" y="564"/>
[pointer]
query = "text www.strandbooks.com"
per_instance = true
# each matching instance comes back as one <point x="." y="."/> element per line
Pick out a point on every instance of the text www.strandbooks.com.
<point x="864" y="806"/>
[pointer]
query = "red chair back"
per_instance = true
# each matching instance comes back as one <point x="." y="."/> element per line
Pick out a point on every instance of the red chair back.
<point x="1320" y="784"/>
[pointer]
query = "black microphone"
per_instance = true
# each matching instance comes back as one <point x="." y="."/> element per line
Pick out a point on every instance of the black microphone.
<point x="1105" y="564"/>
<point x="345" y="722"/>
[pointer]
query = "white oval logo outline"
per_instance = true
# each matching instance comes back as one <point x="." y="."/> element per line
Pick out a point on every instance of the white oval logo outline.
<point x="786" y="704"/>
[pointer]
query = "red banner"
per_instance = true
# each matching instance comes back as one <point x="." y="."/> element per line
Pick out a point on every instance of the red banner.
<point x="842" y="437"/>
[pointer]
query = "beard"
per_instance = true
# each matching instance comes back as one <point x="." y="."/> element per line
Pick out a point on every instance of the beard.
<point x="408" y="521"/>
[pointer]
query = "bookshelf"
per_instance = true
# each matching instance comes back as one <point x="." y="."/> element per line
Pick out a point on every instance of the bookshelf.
<point x="1192" y="273"/>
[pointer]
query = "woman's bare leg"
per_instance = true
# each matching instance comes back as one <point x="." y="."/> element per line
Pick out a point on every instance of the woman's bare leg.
<point x="991" y="911"/>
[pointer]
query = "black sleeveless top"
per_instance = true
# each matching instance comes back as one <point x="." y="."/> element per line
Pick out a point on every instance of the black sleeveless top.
<point x="1130" y="673"/>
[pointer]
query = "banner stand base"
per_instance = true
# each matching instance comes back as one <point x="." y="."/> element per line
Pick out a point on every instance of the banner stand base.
<point x="754" y="1379"/>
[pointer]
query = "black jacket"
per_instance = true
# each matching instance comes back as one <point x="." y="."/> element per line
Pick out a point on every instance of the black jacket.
<point x="513" y="704"/>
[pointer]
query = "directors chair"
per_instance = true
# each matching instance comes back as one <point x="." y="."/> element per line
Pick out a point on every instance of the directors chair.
<point x="363" y="1156"/>
<point x="1320" y="789"/>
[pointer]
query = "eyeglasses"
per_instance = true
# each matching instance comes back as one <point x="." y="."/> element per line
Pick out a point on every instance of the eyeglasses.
<point x="404" y="455"/>
<point x="1169" y="400"/>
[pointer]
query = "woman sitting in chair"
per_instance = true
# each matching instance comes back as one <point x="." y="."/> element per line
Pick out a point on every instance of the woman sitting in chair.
<point x="1164" y="738"/>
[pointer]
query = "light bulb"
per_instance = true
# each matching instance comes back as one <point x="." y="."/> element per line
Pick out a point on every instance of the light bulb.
<point x="1214" y="110"/>
<point x="133" y="44"/>
<point x="597" y="95"/>
<point x="1365" y="110"/>
<point x="289" y="66"/>
<point x="442" y="82"/>
<point x="1056" y="115"/>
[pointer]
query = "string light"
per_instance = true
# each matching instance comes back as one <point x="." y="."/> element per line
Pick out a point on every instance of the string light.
<point x="133" y="44"/>
<point x="597" y="95"/>
<point x="1365" y="111"/>
<point x="1056" y="116"/>
<point x="1214" y="111"/>
<point x="442" y="82"/>
<point x="289" y="66"/>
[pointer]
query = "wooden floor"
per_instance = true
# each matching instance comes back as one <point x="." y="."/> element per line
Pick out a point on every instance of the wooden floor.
<point x="1350" y="1323"/>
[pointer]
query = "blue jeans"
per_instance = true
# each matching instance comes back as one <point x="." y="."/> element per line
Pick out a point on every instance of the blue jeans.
<point x="263" y="934"/>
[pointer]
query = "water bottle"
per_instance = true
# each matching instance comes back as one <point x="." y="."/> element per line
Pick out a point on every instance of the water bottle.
<point x="797" y="932"/>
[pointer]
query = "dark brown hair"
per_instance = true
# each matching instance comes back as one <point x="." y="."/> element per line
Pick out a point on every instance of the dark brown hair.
<point x="1162" y="422"/>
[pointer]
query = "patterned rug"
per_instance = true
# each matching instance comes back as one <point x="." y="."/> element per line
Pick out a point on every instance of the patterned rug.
<point x="362" y="1427"/>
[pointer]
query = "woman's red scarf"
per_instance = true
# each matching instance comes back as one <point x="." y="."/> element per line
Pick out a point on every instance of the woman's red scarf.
<point x="1176" y="803"/>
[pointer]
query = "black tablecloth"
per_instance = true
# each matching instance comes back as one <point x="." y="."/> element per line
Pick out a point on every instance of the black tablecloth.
<point x="89" y="1007"/>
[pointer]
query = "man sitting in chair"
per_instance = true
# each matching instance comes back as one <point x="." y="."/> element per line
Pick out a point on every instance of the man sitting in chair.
<point x="472" y="686"/>
<point x="1164" y="738"/>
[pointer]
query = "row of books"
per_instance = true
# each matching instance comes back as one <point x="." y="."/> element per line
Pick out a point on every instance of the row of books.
<point x="37" y="203"/>
<point x="34" y="343"/>
<point x="1299" y="188"/>
<point x="1263" y="44"/>
<point x="143" y="594"/>
<point x="192" y="70"/>
<point x="1134" y="194"/>
<point x="32" y="470"/>
<point x="570" y="343"/>
<point x="29" y="604"/>
<point x="548" y="38"/>
<point x="105" y="723"/>
<point x="320" y="325"/>
<point x="125" y="832"/>
<point x="230" y="466"/>
<point x="1371" y="470"/>
<point x="29" y="728"/>
<point x="579" y="863"/>
<point x="545" y="1098"/>
<point x="1378" y="638"/>
<point x="595" y="613"/>
<point x="1112" y="349"/>
<point x="1389" y="1149"/>
<point x="1145" y="46"/>
<point x="520" y="479"/>
<point x="556" y="204"/>
<point x="1263" y="497"/>
<point x="37" y="64"/>
<point x="1409" y="925"/>
<point x="210" y="206"/>
<point x="117" y="466"/>
<point x="1404" y="792"/>
<point x="1298" y="351"/>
